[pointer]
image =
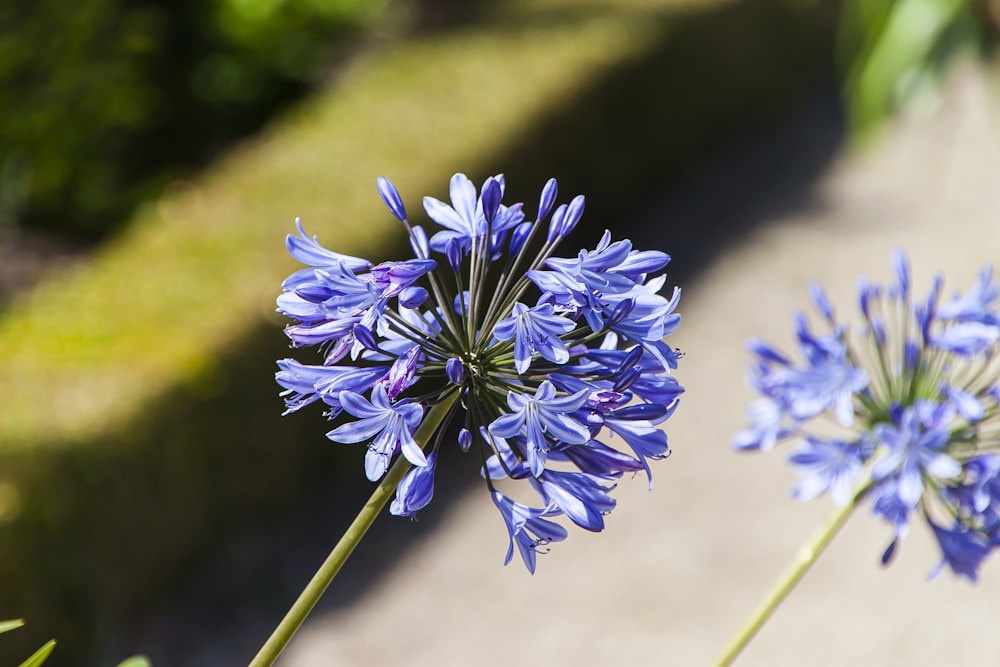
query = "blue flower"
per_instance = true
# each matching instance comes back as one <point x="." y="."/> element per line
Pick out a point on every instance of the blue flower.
<point x="642" y="436"/>
<point x="976" y="305"/>
<point x="581" y="497"/>
<point x="462" y="220"/>
<point x="767" y="418"/>
<point x="547" y="363"/>
<point x="828" y="465"/>
<point x="527" y="528"/>
<point x="535" y="330"/>
<point x="913" y="451"/>
<point x="917" y="402"/>
<point x="542" y="418"/>
<point x="389" y="427"/>
<point x="309" y="251"/>
<point x="963" y="550"/>
<point x="306" y="384"/>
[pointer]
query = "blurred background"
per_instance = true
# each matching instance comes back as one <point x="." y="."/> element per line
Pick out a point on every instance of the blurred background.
<point x="154" y="154"/>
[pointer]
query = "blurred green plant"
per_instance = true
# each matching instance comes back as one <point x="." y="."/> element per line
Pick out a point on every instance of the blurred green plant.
<point x="891" y="51"/>
<point x="39" y="656"/>
<point x="105" y="101"/>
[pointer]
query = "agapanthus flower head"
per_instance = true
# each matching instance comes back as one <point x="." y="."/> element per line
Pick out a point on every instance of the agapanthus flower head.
<point x="547" y="363"/>
<point x="914" y="396"/>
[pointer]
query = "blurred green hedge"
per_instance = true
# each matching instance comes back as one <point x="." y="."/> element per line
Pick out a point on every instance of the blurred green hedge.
<point x="104" y="101"/>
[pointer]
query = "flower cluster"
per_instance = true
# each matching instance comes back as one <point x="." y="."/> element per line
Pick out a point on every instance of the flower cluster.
<point x="545" y="362"/>
<point x="915" y="403"/>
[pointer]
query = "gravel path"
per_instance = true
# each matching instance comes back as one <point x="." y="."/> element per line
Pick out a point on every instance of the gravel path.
<point x="677" y="569"/>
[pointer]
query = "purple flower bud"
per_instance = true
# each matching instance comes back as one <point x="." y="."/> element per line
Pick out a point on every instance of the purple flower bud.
<point x="621" y="310"/>
<point x="630" y="360"/>
<point x="519" y="237"/>
<point x="496" y="245"/>
<point x="464" y="439"/>
<point x="412" y="297"/>
<point x="889" y="552"/>
<point x="911" y="354"/>
<point x="461" y="302"/>
<point x="454" y="369"/>
<point x="387" y="191"/>
<point x="627" y="378"/>
<point x="878" y="331"/>
<point x="453" y="251"/>
<point x="418" y="241"/>
<point x="490" y="198"/>
<point x="767" y="352"/>
<point x="416" y="489"/>
<point x="902" y="268"/>
<point x="924" y="319"/>
<point x="821" y="301"/>
<point x="548" y="198"/>
<point x="364" y="336"/>
<point x="866" y="292"/>
<point x="642" y="411"/>
<point x="573" y="215"/>
<point x="555" y="225"/>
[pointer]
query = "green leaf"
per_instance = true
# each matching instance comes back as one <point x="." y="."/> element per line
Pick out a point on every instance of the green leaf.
<point x="897" y="46"/>
<point x="136" y="661"/>
<point x="7" y="626"/>
<point x="39" y="656"/>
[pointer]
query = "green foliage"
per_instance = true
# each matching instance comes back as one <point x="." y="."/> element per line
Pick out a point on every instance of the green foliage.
<point x="7" y="626"/>
<point x="39" y="656"/>
<point x="890" y="50"/>
<point x="72" y="87"/>
<point x="106" y="100"/>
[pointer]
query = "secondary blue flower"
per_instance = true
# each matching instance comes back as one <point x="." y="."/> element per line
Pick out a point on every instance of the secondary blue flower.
<point x="766" y="417"/>
<point x="827" y="465"/>
<point x="976" y="305"/>
<point x="963" y="550"/>
<point x="915" y="393"/>
<point x="913" y="452"/>
<point x="547" y="363"/>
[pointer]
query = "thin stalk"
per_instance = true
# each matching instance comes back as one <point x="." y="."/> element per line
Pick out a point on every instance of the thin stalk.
<point x="345" y="547"/>
<point x="797" y="569"/>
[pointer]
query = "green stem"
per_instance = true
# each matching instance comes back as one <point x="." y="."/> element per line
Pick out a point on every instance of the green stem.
<point x="362" y="522"/>
<point x="797" y="569"/>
